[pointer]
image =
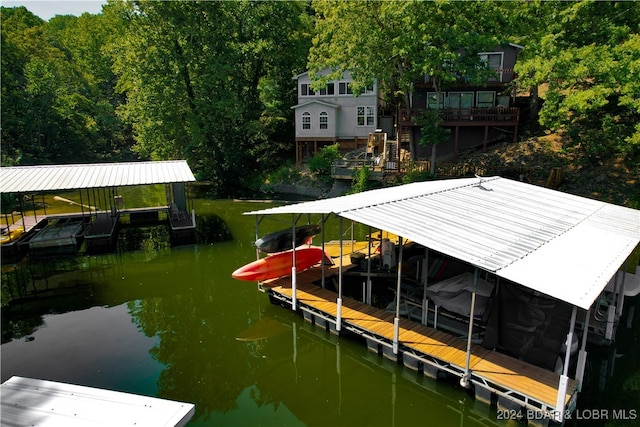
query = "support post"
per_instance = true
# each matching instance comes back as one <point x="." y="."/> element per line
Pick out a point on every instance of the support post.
<point x="396" y="321"/>
<point x="465" y="380"/>
<point x="582" y="355"/>
<point x="369" y="270"/>
<point x="293" y="267"/>
<point x="322" y="281"/>
<point x="564" y="378"/>
<point x="425" y="282"/>
<point x="339" y="311"/>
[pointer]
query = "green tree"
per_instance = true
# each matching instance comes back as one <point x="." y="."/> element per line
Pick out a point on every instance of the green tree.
<point x="57" y="90"/>
<point x="399" y="42"/>
<point x="210" y="82"/>
<point x="588" y="57"/>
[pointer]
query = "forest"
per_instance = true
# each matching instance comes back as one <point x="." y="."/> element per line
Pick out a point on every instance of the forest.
<point x="211" y="82"/>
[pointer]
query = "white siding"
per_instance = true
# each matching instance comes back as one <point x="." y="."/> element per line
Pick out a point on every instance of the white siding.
<point x="343" y="124"/>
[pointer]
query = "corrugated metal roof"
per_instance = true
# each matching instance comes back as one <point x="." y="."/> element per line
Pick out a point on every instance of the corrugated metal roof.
<point x="26" y="179"/>
<point x="563" y="245"/>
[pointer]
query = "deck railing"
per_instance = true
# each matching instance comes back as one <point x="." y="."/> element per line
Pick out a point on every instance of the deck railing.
<point x="494" y="114"/>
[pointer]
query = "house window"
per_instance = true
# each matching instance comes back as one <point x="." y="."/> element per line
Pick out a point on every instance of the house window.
<point x="328" y="90"/>
<point x="368" y="90"/>
<point x="486" y="99"/>
<point x="493" y="60"/>
<point x="431" y="100"/>
<point x="460" y="99"/>
<point x="344" y="88"/>
<point x="323" y="120"/>
<point x="365" y="116"/>
<point x="306" y="90"/>
<point x="306" y="120"/>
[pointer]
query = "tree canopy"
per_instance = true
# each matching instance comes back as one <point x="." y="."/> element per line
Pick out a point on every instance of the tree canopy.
<point x="211" y="82"/>
<point x="587" y="56"/>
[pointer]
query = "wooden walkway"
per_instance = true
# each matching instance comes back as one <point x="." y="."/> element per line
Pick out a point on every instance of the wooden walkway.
<point x="502" y="375"/>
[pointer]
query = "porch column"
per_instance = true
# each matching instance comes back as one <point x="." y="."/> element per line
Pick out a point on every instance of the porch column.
<point x="561" y="399"/>
<point x="396" y="321"/>
<point x="465" y="381"/>
<point x="486" y="139"/>
<point x="455" y="144"/>
<point x="339" y="302"/>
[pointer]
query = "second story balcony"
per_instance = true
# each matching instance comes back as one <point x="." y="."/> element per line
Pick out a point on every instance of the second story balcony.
<point x="495" y="116"/>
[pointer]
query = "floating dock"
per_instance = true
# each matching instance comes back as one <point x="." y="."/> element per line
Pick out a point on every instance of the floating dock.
<point x="496" y="376"/>
<point x="522" y="280"/>
<point x="27" y="401"/>
<point x="56" y="235"/>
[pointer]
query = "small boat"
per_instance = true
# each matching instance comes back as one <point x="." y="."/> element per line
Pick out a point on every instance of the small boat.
<point x="11" y="236"/>
<point x="279" y="265"/>
<point x="281" y="240"/>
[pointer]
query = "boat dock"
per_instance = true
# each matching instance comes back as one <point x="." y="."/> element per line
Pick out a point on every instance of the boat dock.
<point x="62" y="234"/>
<point x="498" y="288"/>
<point x="424" y="349"/>
<point x="27" y="401"/>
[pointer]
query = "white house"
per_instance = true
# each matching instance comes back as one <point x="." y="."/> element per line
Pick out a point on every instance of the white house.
<point x="332" y="114"/>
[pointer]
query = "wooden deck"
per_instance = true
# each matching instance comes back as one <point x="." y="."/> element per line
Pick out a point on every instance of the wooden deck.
<point x="531" y="386"/>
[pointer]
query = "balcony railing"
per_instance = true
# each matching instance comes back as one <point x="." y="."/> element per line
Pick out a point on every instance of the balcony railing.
<point x="449" y="115"/>
<point x="502" y="75"/>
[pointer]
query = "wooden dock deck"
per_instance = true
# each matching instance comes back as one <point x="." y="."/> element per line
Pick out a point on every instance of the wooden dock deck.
<point x="423" y="347"/>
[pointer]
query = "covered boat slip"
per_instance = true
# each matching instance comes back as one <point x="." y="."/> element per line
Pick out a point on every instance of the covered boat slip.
<point x="100" y="213"/>
<point x="556" y="249"/>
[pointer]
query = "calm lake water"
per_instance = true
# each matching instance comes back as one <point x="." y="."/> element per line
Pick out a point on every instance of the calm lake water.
<point x="162" y="321"/>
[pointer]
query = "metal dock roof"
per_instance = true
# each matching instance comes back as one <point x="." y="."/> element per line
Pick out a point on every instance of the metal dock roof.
<point x="25" y="179"/>
<point x="27" y="401"/>
<point x="562" y="245"/>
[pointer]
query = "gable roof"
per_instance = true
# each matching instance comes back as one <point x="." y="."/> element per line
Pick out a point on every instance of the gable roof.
<point x="562" y="245"/>
<point x="315" y="101"/>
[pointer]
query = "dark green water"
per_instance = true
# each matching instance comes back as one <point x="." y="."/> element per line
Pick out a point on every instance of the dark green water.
<point x="163" y="321"/>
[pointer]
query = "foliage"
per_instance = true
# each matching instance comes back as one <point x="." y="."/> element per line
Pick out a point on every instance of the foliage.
<point x="320" y="163"/>
<point x="431" y="131"/>
<point x="589" y="57"/>
<point x="398" y="42"/>
<point x="210" y="82"/>
<point x="57" y="90"/>
<point x="284" y="174"/>
<point x="361" y="180"/>
<point x="414" y="175"/>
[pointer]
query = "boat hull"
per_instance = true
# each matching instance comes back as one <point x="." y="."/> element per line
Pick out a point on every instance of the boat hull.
<point x="278" y="265"/>
<point x="282" y="240"/>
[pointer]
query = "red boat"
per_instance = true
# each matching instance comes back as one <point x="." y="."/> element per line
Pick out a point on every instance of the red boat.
<point x="279" y="265"/>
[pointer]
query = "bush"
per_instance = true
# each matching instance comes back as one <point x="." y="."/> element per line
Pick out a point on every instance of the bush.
<point x="414" y="175"/>
<point x="361" y="180"/>
<point x="320" y="163"/>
